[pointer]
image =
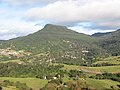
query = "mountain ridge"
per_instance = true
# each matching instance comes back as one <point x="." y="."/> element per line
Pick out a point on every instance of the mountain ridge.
<point x="100" y="34"/>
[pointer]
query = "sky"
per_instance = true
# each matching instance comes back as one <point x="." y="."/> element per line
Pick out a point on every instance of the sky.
<point x="22" y="17"/>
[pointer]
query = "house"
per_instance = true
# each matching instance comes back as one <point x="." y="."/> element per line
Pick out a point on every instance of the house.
<point x="54" y="77"/>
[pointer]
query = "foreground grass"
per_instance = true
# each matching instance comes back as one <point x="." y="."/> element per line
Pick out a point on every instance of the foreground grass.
<point x="9" y="88"/>
<point x="103" y="84"/>
<point x="34" y="83"/>
<point x="98" y="84"/>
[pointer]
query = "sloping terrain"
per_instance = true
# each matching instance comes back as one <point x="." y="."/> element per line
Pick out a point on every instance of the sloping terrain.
<point x="60" y="44"/>
<point x="110" y="42"/>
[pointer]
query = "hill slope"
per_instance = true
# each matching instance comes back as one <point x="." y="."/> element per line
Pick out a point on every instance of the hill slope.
<point x="60" y="44"/>
<point x="111" y="42"/>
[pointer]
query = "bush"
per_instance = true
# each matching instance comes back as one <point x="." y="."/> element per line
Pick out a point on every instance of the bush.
<point x="0" y="88"/>
<point x="22" y="86"/>
<point x="58" y="81"/>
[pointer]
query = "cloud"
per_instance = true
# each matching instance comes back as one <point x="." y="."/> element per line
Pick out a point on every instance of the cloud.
<point x="2" y="11"/>
<point x="111" y="24"/>
<point x="28" y="2"/>
<point x="104" y="13"/>
<point x="88" y="31"/>
<point x="13" y="29"/>
<point x="21" y="17"/>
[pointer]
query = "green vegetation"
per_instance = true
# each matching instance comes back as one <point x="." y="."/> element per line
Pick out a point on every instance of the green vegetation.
<point x="113" y="69"/>
<point x="111" y="42"/>
<point x="114" y="77"/>
<point x="59" y="44"/>
<point x="56" y="58"/>
<point x="16" y="61"/>
<point x="70" y="85"/>
<point x="33" y="83"/>
<point x="110" y="61"/>
<point x="9" y="88"/>
<point x="71" y="67"/>
<point x="29" y="70"/>
<point x="103" y="84"/>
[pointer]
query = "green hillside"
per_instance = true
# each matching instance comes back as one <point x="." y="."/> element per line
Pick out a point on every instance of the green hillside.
<point x="111" y="42"/>
<point x="59" y="44"/>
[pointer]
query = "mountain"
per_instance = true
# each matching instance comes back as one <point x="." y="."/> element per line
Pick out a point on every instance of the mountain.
<point x="111" y="42"/>
<point x="50" y="33"/>
<point x="100" y="34"/>
<point x="60" y="44"/>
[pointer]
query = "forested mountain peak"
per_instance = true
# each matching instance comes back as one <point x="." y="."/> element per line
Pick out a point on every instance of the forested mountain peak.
<point x="56" y="30"/>
<point x="51" y="26"/>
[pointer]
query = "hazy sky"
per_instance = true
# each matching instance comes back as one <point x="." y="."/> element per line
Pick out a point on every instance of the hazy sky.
<point x="21" y="17"/>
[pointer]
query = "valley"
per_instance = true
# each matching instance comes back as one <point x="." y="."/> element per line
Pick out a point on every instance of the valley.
<point x="37" y="83"/>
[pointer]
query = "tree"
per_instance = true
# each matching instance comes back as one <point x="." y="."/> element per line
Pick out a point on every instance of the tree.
<point x="0" y="88"/>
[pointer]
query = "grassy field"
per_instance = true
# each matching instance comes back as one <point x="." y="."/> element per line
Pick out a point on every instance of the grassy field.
<point x="16" y="60"/>
<point x="9" y="88"/>
<point x="71" y="67"/>
<point x="103" y="84"/>
<point x="111" y="69"/>
<point x="99" y="84"/>
<point x="34" y="83"/>
<point x="110" y="60"/>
